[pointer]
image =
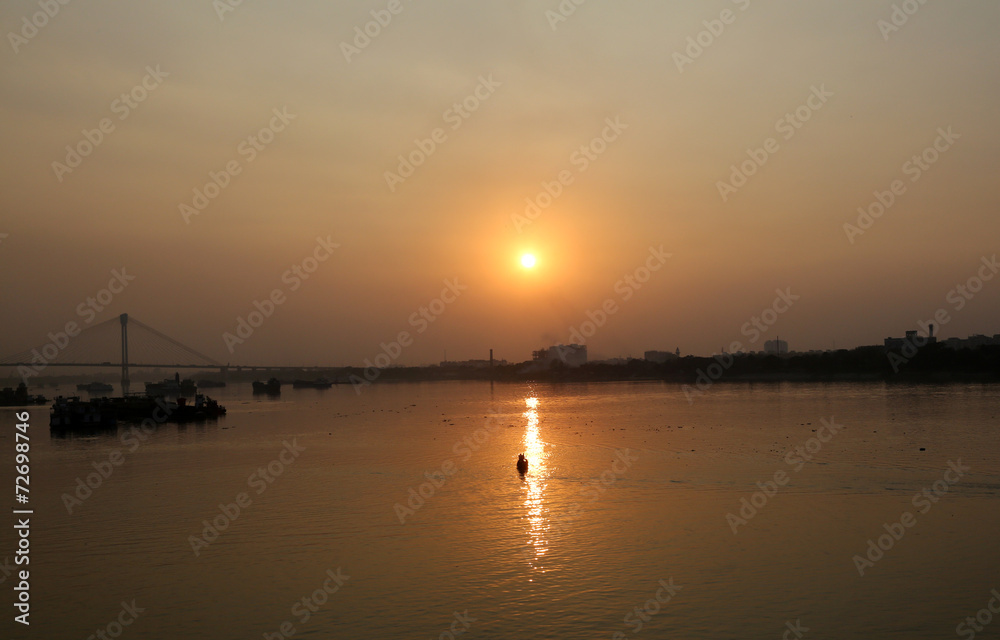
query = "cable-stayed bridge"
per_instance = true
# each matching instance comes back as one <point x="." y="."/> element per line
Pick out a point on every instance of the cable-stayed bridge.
<point x="119" y="342"/>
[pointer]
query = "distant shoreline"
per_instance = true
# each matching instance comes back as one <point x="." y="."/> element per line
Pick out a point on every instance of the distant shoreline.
<point x="934" y="364"/>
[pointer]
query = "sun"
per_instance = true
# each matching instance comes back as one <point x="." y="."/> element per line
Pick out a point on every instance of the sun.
<point x="528" y="261"/>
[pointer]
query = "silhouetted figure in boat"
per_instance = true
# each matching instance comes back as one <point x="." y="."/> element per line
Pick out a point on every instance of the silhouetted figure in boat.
<point x="522" y="464"/>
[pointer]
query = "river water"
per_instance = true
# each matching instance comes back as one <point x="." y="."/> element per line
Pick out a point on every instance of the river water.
<point x="754" y="511"/>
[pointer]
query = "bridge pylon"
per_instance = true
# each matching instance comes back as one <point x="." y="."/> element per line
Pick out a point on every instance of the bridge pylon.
<point x="125" y="381"/>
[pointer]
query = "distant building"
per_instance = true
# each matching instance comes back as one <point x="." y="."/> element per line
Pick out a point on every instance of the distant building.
<point x="473" y="364"/>
<point x="776" y="347"/>
<point x="572" y="355"/>
<point x="660" y="357"/>
<point x="912" y="340"/>
<point x="973" y="342"/>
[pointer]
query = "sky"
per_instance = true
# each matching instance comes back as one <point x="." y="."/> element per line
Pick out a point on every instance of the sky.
<point x="673" y="166"/>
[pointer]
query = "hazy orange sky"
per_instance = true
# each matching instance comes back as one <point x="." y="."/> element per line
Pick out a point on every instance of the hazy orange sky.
<point x="846" y="96"/>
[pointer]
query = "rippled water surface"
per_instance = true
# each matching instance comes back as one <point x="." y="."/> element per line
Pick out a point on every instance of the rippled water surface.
<point x="632" y="493"/>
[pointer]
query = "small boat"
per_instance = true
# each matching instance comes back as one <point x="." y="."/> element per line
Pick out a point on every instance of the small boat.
<point x="204" y="408"/>
<point x="175" y="387"/>
<point x="19" y="397"/>
<point x="135" y="408"/>
<point x="318" y="383"/>
<point x="73" y="413"/>
<point x="95" y="387"/>
<point x="522" y="464"/>
<point x="272" y="387"/>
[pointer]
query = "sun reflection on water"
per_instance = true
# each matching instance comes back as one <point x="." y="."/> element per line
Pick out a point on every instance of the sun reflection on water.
<point x="534" y="482"/>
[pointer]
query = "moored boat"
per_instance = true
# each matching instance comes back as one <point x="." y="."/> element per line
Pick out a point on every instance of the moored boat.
<point x="203" y="408"/>
<point x="318" y="383"/>
<point x="74" y="413"/>
<point x="272" y="387"/>
<point x="175" y="387"/>
<point x="19" y="397"/>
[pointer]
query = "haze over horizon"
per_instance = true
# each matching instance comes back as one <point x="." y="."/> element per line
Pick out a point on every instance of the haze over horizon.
<point x="615" y="116"/>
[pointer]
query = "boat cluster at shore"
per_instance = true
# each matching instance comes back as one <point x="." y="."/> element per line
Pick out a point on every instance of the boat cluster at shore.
<point x="69" y="414"/>
<point x="170" y="400"/>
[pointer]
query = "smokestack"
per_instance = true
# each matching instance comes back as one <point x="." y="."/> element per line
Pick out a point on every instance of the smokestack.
<point x="932" y="330"/>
